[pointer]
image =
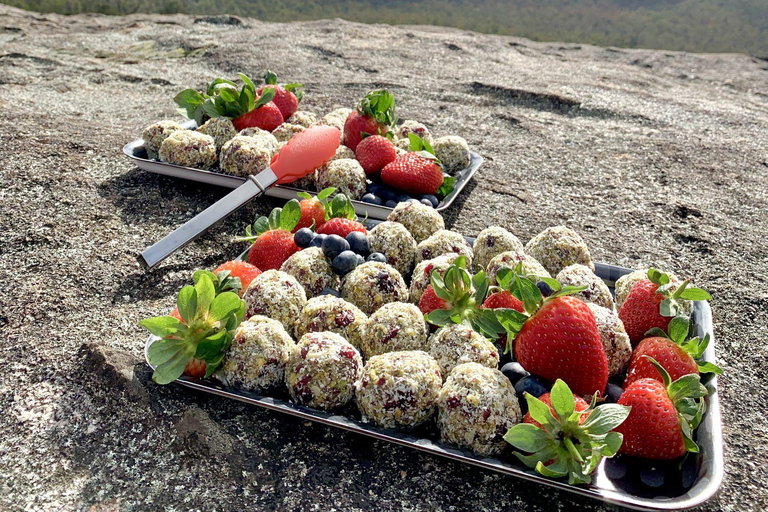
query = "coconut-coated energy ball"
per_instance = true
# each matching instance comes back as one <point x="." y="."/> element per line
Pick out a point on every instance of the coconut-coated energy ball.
<point x="579" y="275"/>
<point x="394" y="241"/>
<point x="220" y="128"/>
<point x="302" y="118"/>
<point x="286" y="131"/>
<point x="372" y="284"/>
<point x="559" y="247"/>
<point x="336" y="118"/>
<point x="312" y="270"/>
<point x="510" y="260"/>
<point x="345" y="175"/>
<point x="156" y="133"/>
<point x="243" y="156"/>
<point x="414" y="127"/>
<point x="332" y="314"/>
<point x="277" y="295"/>
<point x="188" y="148"/>
<point x="267" y="139"/>
<point x="444" y="242"/>
<point x="421" y="220"/>
<point x="455" y="344"/>
<point x="422" y="274"/>
<point x="453" y="152"/>
<point x="491" y="242"/>
<point x="393" y="327"/>
<point x="618" y="348"/>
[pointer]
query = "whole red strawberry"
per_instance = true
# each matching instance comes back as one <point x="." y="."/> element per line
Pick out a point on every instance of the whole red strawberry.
<point x="195" y="368"/>
<point x="429" y="301"/>
<point x="579" y="405"/>
<point x="374" y="152"/>
<point x="286" y="98"/>
<point x="312" y="212"/>
<point x="246" y="272"/>
<point x="340" y="217"/>
<point x="267" y="117"/>
<point x="374" y="115"/>
<point x="272" y="237"/>
<point x="503" y="299"/>
<point x="341" y="227"/>
<point x="413" y="173"/>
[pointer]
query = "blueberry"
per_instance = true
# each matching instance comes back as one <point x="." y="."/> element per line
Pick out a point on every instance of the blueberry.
<point x="317" y="241"/>
<point x="613" y="393"/>
<point x="374" y="188"/>
<point x="358" y="242"/>
<point x="360" y="259"/>
<point x="303" y="237"/>
<point x="334" y="245"/>
<point x="330" y="291"/>
<point x="390" y="204"/>
<point x="652" y="476"/>
<point x="544" y="288"/>
<point x="377" y="256"/>
<point x="514" y="372"/>
<point x="372" y="199"/>
<point x="432" y="199"/>
<point x="404" y="198"/>
<point x="387" y="194"/>
<point x="344" y="263"/>
<point x="616" y="468"/>
<point x="426" y="202"/>
<point x="536" y="386"/>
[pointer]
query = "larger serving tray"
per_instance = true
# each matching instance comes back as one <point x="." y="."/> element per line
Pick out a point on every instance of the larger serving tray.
<point x="708" y="464"/>
<point x="135" y="151"/>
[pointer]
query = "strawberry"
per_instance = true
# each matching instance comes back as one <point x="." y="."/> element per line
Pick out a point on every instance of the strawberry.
<point x="374" y="153"/>
<point x="340" y="218"/>
<point x="579" y="406"/>
<point x="375" y="115"/>
<point x="286" y="98"/>
<point x="503" y="299"/>
<point x="417" y="172"/>
<point x="663" y="416"/>
<point x="429" y="301"/>
<point x="267" y="117"/>
<point x="195" y="369"/>
<point x="241" y="270"/>
<point x="272" y="238"/>
<point x="313" y="209"/>
<point x="652" y="304"/>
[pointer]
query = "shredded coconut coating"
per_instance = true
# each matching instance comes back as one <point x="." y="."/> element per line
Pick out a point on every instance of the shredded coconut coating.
<point x="455" y="344"/>
<point x="476" y="408"/>
<point x="453" y="152"/>
<point x="345" y="174"/>
<point x="312" y="270"/>
<point x="393" y="327"/>
<point x="277" y="295"/>
<point x="396" y="243"/>
<point x="415" y="127"/>
<point x="332" y="314"/>
<point x="188" y="148"/>
<point x="618" y="349"/>
<point x="421" y="220"/>
<point x="625" y="283"/>
<point x="267" y="139"/>
<point x="286" y="131"/>
<point x="302" y="118"/>
<point x="336" y="118"/>
<point x="256" y="358"/>
<point x="243" y="156"/>
<point x="322" y="370"/>
<point x="156" y="133"/>
<point x="558" y="247"/>
<point x="403" y="145"/>
<point x="509" y="260"/>
<point x="579" y="275"/>
<point x="399" y="389"/>
<point x="444" y="242"/>
<point x="373" y="284"/>
<point x="220" y="128"/>
<point x="491" y="242"/>
<point x="423" y="272"/>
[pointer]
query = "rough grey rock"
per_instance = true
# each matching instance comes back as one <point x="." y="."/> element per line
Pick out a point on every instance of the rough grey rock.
<point x="656" y="158"/>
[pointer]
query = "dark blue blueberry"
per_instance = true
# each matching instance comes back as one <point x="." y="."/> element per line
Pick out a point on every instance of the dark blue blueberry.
<point x="374" y="188"/>
<point x="426" y="202"/>
<point x="360" y="259"/>
<point x="303" y="237"/>
<point x="390" y="204"/>
<point x="387" y="194"/>
<point x="432" y="199"/>
<point x="544" y="288"/>
<point x="536" y="386"/>
<point x="404" y="198"/>
<point x="330" y="291"/>
<point x="372" y="199"/>
<point x="689" y="472"/>
<point x="514" y="372"/>
<point x="613" y="393"/>
<point x="616" y="468"/>
<point x="317" y="241"/>
<point x="652" y="476"/>
<point x="358" y="242"/>
<point x="377" y="256"/>
<point x="334" y="245"/>
<point x="344" y="263"/>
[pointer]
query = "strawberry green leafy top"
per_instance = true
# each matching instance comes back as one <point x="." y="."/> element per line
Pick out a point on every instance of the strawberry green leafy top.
<point x="296" y="88"/>
<point x="222" y="98"/>
<point x="284" y="218"/>
<point x="379" y="105"/>
<point x="680" y="332"/>
<point x="670" y="306"/>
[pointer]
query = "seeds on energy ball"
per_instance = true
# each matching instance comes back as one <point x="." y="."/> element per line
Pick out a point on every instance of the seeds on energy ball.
<point x="597" y="291"/>
<point x="312" y="270"/>
<point x="422" y="221"/>
<point x="393" y="327"/>
<point x="277" y="295"/>
<point x="396" y="242"/>
<point x="444" y="242"/>
<point x="559" y="247"/>
<point x="188" y="148"/>
<point x="491" y="242"/>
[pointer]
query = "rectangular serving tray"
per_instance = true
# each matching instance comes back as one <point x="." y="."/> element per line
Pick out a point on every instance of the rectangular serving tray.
<point x="709" y="434"/>
<point x="135" y="151"/>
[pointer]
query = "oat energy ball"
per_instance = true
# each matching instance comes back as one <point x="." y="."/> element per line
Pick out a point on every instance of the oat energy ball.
<point x="332" y="314"/>
<point x="396" y="243"/>
<point x="453" y="152"/>
<point x="421" y="220"/>
<point x="625" y="283"/>
<point x="256" y="358"/>
<point x="242" y="156"/>
<point x="277" y="295"/>
<point x="403" y="145"/>
<point x="373" y="284"/>
<point x="263" y="136"/>
<point x="188" y="148"/>
<point x="336" y="118"/>
<point x="509" y="260"/>
<point x="558" y="247"/>
<point x="476" y="407"/>
<point x="155" y="134"/>
<point x="302" y="118"/>
<point x="393" y="327"/>
<point x="491" y="242"/>
<point x="414" y="127"/>
<point x="399" y="389"/>
<point x="618" y="349"/>
<point x="312" y="270"/>
<point x="322" y="370"/>
<point x="345" y="174"/>
<point x="579" y="275"/>
<point x="423" y="273"/>
<point x="220" y="128"/>
<point x="444" y="242"/>
<point x="285" y="131"/>
<point x="455" y="344"/>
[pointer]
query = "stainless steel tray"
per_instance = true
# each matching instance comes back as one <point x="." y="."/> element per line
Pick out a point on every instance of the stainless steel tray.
<point x="709" y="462"/>
<point x="135" y="151"/>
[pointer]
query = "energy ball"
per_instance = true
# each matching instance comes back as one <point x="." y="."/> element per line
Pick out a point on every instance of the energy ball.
<point x="396" y="243"/>
<point x="455" y="344"/>
<point x="188" y="148"/>
<point x="220" y="128"/>
<point x="414" y="127"/>
<point x="421" y="220"/>
<point x="393" y="327"/>
<point x="336" y="118"/>
<point x="618" y="348"/>
<point x="423" y="273"/>
<point x="312" y="270"/>
<point x="403" y="145"/>
<point x="453" y="152"/>
<point x="286" y="131"/>
<point x="491" y="242"/>
<point x="277" y="295"/>
<point x="558" y="247"/>
<point x="399" y="389"/>
<point x="373" y="284"/>
<point x="302" y="118"/>
<point x="243" y="156"/>
<point x="155" y="134"/>
<point x="509" y="260"/>
<point x="345" y="174"/>
<point x="444" y="242"/>
<point x="579" y="275"/>
<point x="625" y="283"/>
<point x="322" y="370"/>
<point x="256" y="358"/>
<point x="267" y="139"/>
<point x="332" y="314"/>
<point x="476" y="407"/>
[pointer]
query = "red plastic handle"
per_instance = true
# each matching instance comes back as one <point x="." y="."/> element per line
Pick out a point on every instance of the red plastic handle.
<point x="305" y="152"/>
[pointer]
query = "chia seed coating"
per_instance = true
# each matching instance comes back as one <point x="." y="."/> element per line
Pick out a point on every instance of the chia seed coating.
<point x="453" y="152"/>
<point x="416" y="128"/>
<point x="509" y="260"/>
<point x="393" y="327"/>
<point x="332" y="314"/>
<point x="156" y="133"/>
<point x="286" y="131"/>
<point x="188" y="148"/>
<point x="558" y="247"/>
<point x="491" y="242"/>
<point x="444" y="242"/>
<point x="277" y="295"/>
<point x="421" y="220"/>
<point x="256" y="358"/>
<point x="455" y="344"/>
<point x="372" y="284"/>
<point x="618" y="349"/>
<point x="322" y="370"/>
<point x="476" y="408"/>
<point x="399" y="389"/>
<point x="243" y="156"/>
<point x="597" y="291"/>
<point x="423" y="272"/>
<point x="396" y="242"/>
<point x="345" y="174"/>
<point x="267" y="139"/>
<point x="312" y="270"/>
<point x="220" y="128"/>
<point x="302" y="118"/>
